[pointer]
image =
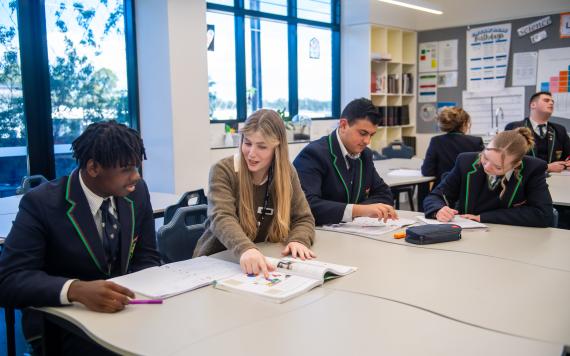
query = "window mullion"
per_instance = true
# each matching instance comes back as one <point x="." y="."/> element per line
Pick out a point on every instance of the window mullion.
<point x="241" y="95"/>
<point x="293" y="65"/>
<point x="36" y="87"/>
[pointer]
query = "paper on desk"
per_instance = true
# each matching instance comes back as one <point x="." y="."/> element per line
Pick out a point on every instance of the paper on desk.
<point x="178" y="277"/>
<point x="365" y="221"/>
<point x="457" y="220"/>
<point x="405" y="173"/>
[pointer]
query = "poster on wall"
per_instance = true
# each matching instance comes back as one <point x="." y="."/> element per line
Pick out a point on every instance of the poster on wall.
<point x="524" y="68"/>
<point x="447" y="79"/>
<point x="565" y="25"/>
<point x="490" y="111"/>
<point x="447" y="55"/>
<point x="552" y="76"/>
<point x="427" y="88"/>
<point x="428" y="57"/>
<point x="488" y="57"/>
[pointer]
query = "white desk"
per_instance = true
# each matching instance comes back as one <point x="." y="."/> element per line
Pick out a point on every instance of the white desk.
<point x="559" y="187"/>
<point x="322" y="322"/>
<point x="544" y="247"/>
<point x="402" y="300"/>
<point x="385" y="166"/>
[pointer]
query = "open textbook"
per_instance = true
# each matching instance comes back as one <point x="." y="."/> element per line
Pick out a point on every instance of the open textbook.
<point x="178" y="277"/>
<point x="457" y="220"/>
<point x="292" y="277"/>
<point x="369" y="227"/>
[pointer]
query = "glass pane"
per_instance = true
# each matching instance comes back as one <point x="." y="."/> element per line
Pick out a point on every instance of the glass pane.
<point x="221" y="66"/>
<point x="314" y="51"/>
<point x="266" y="63"/>
<point x="88" y="69"/>
<point x="13" y="142"/>
<point x="221" y="2"/>
<point x="278" y="7"/>
<point x="316" y="10"/>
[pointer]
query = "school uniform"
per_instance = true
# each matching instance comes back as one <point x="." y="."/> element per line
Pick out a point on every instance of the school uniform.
<point x="55" y="239"/>
<point x="333" y="182"/>
<point x="553" y="145"/>
<point x="467" y="188"/>
<point x="443" y="150"/>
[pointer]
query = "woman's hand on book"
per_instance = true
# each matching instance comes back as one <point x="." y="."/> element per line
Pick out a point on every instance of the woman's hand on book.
<point x="297" y="249"/>
<point x="446" y="214"/>
<point x="253" y="262"/>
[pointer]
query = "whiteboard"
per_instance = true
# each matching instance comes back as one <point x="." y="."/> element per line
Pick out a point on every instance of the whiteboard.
<point x="552" y="76"/>
<point x="491" y="111"/>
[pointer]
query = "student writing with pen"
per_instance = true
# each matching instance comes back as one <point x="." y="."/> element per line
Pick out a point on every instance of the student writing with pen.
<point x="255" y="196"/>
<point x="499" y="185"/>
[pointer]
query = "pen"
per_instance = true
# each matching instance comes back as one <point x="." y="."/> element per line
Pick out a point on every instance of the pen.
<point x="145" y="301"/>
<point x="445" y="199"/>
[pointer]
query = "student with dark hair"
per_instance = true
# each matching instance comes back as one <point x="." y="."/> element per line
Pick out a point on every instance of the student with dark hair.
<point x="74" y="232"/>
<point x="443" y="149"/>
<point x="337" y="173"/>
<point x="500" y="185"/>
<point x="552" y="143"/>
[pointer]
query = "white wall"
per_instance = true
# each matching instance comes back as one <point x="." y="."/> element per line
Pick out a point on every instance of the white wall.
<point x="173" y="85"/>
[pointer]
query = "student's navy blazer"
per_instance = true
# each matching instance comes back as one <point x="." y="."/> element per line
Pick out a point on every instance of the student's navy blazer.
<point x="320" y="166"/>
<point x="54" y="238"/>
<point x="443" y="150"/>
<point x="557" y="136"/>
<point x="526" y="201"/>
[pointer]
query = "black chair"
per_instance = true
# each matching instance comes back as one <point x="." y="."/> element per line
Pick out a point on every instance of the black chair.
<point x="194" y="197"/>
<point x="29" y="182"/>
<point x="177" y="240"/>
<point x="397" y="149"/>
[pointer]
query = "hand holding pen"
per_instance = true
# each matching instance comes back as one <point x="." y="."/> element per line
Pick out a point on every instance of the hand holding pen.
<point x="446" y="214"/>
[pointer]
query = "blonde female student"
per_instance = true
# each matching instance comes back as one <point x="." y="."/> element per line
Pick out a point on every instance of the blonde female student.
<point x="443" y="149"/>
<point x="255" y="196"/>
<point x="499" y="185"/>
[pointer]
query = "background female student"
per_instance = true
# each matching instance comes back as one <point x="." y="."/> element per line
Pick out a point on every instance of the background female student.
<point x="499" y="185"/>
<point x="255" y="196"/>
<point x="443" y="149"/>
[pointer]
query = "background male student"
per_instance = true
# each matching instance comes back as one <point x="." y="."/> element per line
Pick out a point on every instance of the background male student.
<point x="552" y="143"/>
<point x="74" y="232"/>
<point x="337" y="173"/>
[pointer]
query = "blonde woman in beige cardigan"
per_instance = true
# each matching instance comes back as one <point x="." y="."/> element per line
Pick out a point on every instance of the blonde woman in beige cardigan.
<point x="255" y="196"/>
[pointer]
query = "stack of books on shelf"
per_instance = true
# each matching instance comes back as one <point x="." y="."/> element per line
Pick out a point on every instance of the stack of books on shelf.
<point x="393" y="84"/>
<point x="394" y="115"/>
<point x="407" y="83"/>
<point x="377" y="83"/>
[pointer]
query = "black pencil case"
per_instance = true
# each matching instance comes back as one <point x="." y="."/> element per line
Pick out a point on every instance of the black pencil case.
<point x="432" y="234"/>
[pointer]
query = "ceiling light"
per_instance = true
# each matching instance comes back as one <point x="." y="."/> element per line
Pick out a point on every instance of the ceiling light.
<point x="416" y="5"/>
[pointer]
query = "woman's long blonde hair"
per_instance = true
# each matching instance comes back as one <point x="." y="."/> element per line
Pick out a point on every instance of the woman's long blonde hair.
<point x="270" y="125"/>
<point x="515" y="143"/>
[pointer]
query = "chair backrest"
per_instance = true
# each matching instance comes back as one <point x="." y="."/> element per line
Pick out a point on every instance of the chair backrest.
<point x="194" y="197"/>
<point x="29" y="182"/>
<point x="177" y="240"/>
<point x="397" y="149"/>
<point x="377" y="156"/>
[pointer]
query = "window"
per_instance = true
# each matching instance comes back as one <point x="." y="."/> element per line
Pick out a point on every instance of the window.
<point x="221" y="66"/>
<point x="266" y="66"/>
<point x="315" y="78"/>
<point x="85" y="72"/>
<point x="282" y="55"/>
<point x="13" y="155"/>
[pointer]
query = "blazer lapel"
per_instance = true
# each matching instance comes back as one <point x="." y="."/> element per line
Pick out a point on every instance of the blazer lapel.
<point x="475" y="179"/>
<point x="339" y="163"/>
<point x="126" y="210"/>
<point x="511" y="191"/>
<point x="82" y="220"/>
<point x="551" y="137"/>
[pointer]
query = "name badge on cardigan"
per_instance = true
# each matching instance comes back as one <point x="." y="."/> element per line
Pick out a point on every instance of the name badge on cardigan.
<point x="268" y="211"/>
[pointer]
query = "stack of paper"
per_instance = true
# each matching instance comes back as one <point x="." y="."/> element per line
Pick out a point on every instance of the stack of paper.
<point x="369" y="227"/>
<point x="457" y="220"/>
<point x="405" y="173"/>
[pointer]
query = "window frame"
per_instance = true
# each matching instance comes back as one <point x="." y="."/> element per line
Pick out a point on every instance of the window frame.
<point x="240" y="13"/>
<point x="36" y="82"/>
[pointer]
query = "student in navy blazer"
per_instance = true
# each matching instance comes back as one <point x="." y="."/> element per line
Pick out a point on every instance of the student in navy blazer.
<point x="443" y="149"/>
<point x="500" y="185"/>
<point x="551" y="141"/>
<point x="337" y="173"/>
<point x="56" y="251"/>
